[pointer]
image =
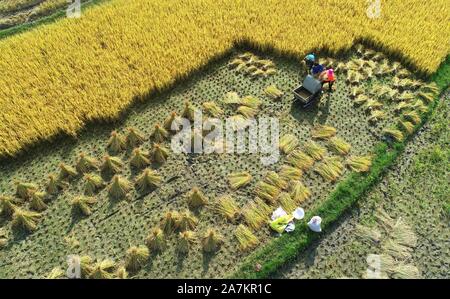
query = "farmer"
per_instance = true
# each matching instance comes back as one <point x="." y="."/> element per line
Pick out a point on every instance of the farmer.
<point x="309" y="60"/>
<point x="327" y="76"/>
<point x="317" y="69"/>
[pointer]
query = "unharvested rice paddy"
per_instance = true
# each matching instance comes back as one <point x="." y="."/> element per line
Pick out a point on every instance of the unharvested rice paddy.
<point x="106" y="228"/>
<point x="58" y="77"/>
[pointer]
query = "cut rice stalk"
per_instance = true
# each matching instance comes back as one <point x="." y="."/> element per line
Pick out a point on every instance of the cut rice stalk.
<point x="136" y="257"/>
<point x="368" y="233"/>
<point x="361" y="99"/>
<point x="186" y="221"/>
<point x="251" y="101"/>
<point x="356" y="91"/>
<point x="37" y="200"/>
<point x="196" y="198"/>
<point x="405" y="271"/>
<point x="314" y="150"/>
<point x="24" y="190"/>
<point x="300" y="160"/>
<point x="67" y="172"/>
<point x="54" y="184"/>
<point x="403" y="234"/>
<point x="226" y="206"/>
<point x="288" y="173"/>
<point x="239" y="179"/>
<point x="156" y="240"/>
<point x="56" y="273"/>
<point x="139" y="158"/>
<point x="413" y="116"/>
<point x="299" y="192"/>
<point x="121" y="273"/>
<point x="173" y="122"/>
<point x="287" y="202"/>
<point x="159" y="134"/>
<point x="93" y="183"/>
<point x="339" y="146"/>
<point x="232" y="98"/>
<point x="252" y="216"/>
<point x="323" y="132"/>
<point x="407" y="126"/>
<point x="148" y="180"/>
<point x="372" y="104"/>
<point x="263" y="208"/>
<point x="25" y="219"/>
<point x="86" y="163"/>
<point x="419" y="106"/>
<point x="211" y="240"/>
<point x="403" y="106"/>
<point x="103" y="270"/>
<point x="274" y="179"/>
<point x="288" y="143"/>
<point x="267" y="192"/>
<point x="170" y="221"/>
<point x="273" y="92"/>
<point x="396" y="134"/>
<point x="247" y="240"/>
<point x="134" y="138"/>
<point x="83" y="204"/>
<point x="186" y="240"/>
<point x="111" y="165"/>
<point x="426" y="96"/>
<point x="188" y="111"/>
<point x="396" y="250"/>
<point x="159" y="153"/>
<point x="8" y="205"/>
<point x="116" y="143"/>
<point x="359" y="164"/>
<point x="376" y="115"/>
<point x="212" y="109"/>
<point x="247" y="112"/>
<point x="119" y="188"/>
<point x="330" y="169"/>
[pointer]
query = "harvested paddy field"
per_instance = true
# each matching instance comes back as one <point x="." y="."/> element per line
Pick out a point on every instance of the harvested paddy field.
<point x="415" y="190"/>
<point x="357" y="112"/>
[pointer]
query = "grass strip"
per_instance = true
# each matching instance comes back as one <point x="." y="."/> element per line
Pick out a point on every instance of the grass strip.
<point x="287" y="247"/>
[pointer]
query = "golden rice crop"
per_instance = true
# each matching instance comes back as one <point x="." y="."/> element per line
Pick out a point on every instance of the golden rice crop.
<point x="96" y="75"/>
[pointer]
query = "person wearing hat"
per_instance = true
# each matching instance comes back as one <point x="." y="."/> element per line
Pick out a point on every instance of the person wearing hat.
<point x="309" y="60"/>
<point x="327" y="76"/>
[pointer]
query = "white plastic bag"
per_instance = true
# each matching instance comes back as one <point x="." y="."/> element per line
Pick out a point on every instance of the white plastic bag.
<point x="314" y="224"/>
<point x="298" y="214"/>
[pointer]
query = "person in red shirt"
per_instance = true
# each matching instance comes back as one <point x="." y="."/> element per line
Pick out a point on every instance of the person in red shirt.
<point x="328" y="76"/>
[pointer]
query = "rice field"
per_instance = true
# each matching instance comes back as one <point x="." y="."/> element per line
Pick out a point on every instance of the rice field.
<point x="59" y="77"/>
<point x="415" y="191"/>
<point x="187" y="196"/>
